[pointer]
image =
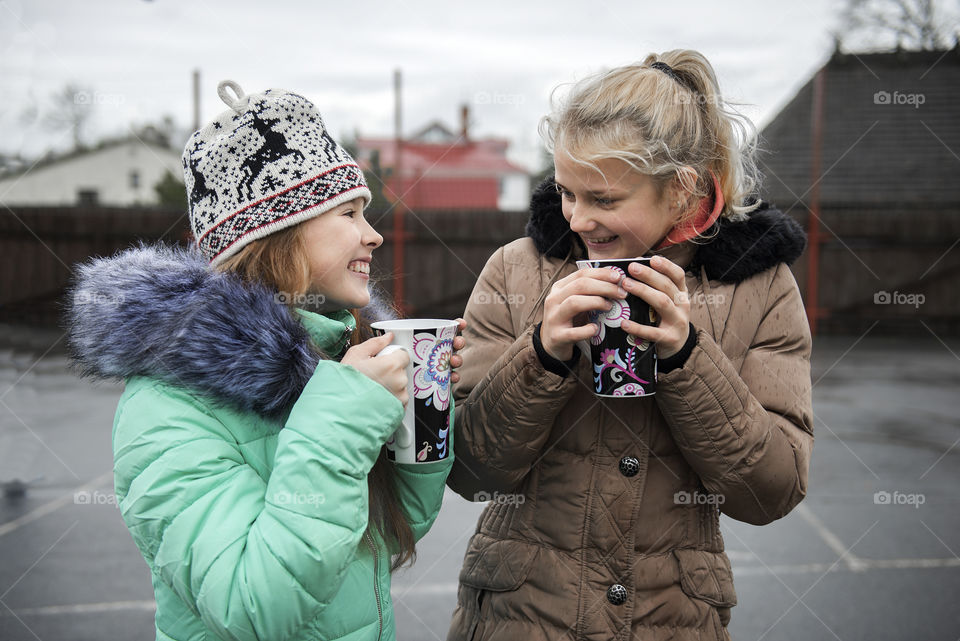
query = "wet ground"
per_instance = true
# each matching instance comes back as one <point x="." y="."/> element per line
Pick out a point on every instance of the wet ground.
<point x="871" y="553"/>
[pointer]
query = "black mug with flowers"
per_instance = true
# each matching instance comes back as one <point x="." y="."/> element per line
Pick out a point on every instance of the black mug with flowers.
<point x="424" y="435"/>
<point x="623" y="366"/>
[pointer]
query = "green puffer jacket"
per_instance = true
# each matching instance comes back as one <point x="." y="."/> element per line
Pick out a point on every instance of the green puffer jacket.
<point x="254" y="524"/>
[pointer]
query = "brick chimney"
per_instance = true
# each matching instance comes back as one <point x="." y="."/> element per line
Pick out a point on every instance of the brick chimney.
<point x="465" y="122"/>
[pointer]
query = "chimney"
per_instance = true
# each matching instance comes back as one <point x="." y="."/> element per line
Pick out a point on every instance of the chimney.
<point x="196" y="99"/>
<point x="465" y="122"/>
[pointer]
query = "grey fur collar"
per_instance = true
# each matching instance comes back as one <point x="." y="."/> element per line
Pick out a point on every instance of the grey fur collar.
<point x="159" y="311"/>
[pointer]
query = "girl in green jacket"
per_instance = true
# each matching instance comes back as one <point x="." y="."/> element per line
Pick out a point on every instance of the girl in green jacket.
<point x="248" y="443"/>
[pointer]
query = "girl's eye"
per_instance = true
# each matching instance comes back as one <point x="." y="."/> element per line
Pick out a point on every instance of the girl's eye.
<point x="567" y="195"/>
<point x="604" y="202"/>
<point x="349" y="212"/>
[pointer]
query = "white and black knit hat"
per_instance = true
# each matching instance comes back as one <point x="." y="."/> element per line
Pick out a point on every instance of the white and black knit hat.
<point x="265" y="164"/>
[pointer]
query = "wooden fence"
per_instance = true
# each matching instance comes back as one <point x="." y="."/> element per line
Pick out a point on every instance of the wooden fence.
<point x="889" y="269"/>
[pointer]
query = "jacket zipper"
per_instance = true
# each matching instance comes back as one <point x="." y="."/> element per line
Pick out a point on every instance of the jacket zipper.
<point x="376" y="582"/>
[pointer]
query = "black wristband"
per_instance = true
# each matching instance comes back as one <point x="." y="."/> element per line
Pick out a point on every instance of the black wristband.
<point x="676" y="361"/>
<point x="551" y="364"/>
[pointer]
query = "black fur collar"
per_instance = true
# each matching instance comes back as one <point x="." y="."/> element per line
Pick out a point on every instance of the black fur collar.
<point x="736" y="252"/>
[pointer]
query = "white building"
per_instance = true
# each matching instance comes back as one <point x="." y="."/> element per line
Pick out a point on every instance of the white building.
<point x="119" y="173"/>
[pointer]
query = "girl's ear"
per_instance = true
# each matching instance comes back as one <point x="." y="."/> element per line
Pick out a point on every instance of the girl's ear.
<point x="680" y="192"/>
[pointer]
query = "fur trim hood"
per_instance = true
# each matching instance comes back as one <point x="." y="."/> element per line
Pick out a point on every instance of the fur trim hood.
<point x="160" y="311"/>
<point x="737" y="251"/>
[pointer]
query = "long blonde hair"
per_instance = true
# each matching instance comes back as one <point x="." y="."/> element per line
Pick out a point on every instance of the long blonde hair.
<point x="280" y="261"/>
<point x="660" y="122"/>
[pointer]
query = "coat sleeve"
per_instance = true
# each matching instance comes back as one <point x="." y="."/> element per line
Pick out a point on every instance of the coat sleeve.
<point x="420" y="486"/>
<point x="748" y="433"/>
<point x="254" y="558"/>
<point x="508" y="401"/>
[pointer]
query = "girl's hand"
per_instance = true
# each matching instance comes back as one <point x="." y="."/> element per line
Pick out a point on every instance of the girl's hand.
<point x="390" y="370"/>
<point x="459" y="342"/>
<point x="664" y="287"/>
<point x="565" y="308"/>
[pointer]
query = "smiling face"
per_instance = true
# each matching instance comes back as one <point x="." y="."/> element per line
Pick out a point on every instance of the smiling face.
<point x="617" y="213"/>
<point x="340" y="243"/>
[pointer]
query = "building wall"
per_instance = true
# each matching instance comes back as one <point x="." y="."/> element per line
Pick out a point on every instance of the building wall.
<point x="514" y="192"/>
<point x="105" y="171"/>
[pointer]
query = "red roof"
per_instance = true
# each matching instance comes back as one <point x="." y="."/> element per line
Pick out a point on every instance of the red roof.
<point x="475" y="158"/>
<point x="453" y="174"/>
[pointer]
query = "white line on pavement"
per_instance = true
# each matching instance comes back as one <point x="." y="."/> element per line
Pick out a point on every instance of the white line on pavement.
<point x="862" y="566"/>
<point x="853" y="562"/>
<point x="85" y="608"/>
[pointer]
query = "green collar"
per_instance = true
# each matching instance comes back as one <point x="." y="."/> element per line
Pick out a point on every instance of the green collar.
<point x="330" y="332"/>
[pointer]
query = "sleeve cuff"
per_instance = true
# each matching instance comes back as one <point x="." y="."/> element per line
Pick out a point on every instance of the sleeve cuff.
<point x="676" y="361"/>
<point x="552" y="365"/>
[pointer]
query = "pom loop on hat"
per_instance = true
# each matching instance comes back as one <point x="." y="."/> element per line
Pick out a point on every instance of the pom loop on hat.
<point x="237" y="102"/>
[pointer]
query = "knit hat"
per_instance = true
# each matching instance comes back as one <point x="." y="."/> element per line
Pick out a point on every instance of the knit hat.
<point x="266" y="164"/>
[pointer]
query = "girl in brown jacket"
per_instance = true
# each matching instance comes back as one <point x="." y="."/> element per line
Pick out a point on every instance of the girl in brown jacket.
<point x="604" y="520"/>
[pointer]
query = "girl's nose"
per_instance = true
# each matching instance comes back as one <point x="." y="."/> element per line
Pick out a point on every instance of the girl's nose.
<point x="580" y="220"/>
<point x="371" y="237"/>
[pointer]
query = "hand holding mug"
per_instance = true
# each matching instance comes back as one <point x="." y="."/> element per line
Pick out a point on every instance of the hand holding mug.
<point x="458" y="344"/>
<point x="423" y="435"/>
<point x="662" y="284"/>
<point x="624" y="364"/>
<point x="389" y="368"/>
<point x="566" y="307"/>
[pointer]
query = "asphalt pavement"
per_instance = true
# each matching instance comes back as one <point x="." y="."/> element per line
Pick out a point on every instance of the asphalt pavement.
<point x="871" y="554"/>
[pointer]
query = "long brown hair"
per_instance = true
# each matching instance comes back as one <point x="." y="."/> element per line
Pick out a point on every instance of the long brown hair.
<point x="280" y="261"/>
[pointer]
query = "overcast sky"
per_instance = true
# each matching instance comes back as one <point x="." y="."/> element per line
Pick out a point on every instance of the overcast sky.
<point x="502" y="58"/>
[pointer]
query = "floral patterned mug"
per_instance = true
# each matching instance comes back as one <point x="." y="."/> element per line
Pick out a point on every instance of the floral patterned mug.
<point x="623" y="366"/>
<point x="424" y="435"/>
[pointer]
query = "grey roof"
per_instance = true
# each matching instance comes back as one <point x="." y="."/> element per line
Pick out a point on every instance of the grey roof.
<point x="52" y="158"/>
<point x="891" y="132"/>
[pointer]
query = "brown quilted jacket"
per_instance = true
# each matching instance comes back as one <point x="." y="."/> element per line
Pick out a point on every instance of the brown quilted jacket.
<point x="589" y="493"/>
